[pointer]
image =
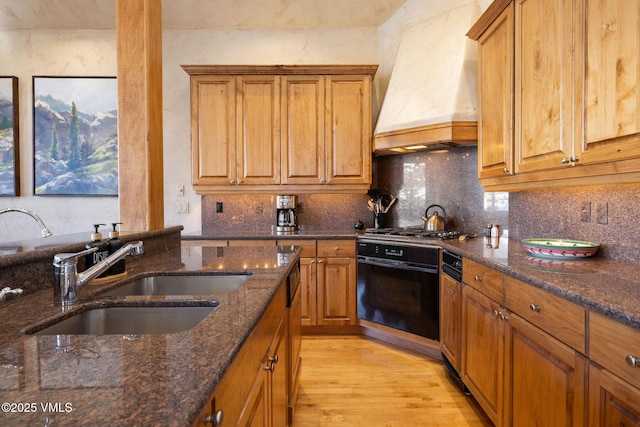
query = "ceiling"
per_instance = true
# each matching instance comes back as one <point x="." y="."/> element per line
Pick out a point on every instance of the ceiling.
<point x="202" y="14"/>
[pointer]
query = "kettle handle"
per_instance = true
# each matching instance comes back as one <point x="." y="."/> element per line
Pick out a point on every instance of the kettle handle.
<point x="444" y="214"/>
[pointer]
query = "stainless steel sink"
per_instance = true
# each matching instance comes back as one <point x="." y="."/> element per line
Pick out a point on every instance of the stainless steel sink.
<point x="181" y="285"/>
<point x="130" y="320"/>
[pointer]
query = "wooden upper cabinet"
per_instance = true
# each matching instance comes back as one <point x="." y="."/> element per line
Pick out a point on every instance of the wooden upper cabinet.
<point x="266" y="129"/>
<point x="348" y="129"/>
<point x="258" y="129"/>
<point x="611" y="47"/>
<point x="544" y="83"/>
<point x="496" y="97"/>
<point x="303" y="154"/>
<point x="213" y="130"/>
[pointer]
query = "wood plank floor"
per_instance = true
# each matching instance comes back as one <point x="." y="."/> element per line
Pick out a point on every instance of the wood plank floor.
<point x="358" y="381"/>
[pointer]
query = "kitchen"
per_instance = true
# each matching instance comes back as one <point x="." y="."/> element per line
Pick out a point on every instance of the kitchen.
<point x="530" y="213"/>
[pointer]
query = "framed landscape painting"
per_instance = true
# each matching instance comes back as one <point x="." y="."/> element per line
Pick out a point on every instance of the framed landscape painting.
<point x="9" y="137"/>
<point x="75" y="136"/>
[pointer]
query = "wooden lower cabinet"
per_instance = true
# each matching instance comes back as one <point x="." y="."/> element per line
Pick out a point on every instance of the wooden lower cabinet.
<point x="483" y="351"/>
<point x="450" y="319"/>
<point x="612" y="401"/>
<point x="544" y="379"/>
<point x="255" y="391"/>
<point x="520" y="374"/>
<point x="328" y="284"/>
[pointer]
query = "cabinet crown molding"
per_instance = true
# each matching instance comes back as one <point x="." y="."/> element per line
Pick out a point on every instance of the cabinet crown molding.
<point x="194" y="70"/>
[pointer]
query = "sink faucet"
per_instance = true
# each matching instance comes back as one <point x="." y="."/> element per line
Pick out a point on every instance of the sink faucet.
<point x="69" y="281"/>
<point x="43" y="228"/>
<point x="7" y="290"/>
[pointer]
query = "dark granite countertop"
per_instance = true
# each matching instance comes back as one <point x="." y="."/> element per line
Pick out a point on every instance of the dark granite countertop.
<point x="304" y="233"/>
<point x="600" y="284"/>
<point x="160" y="380"/>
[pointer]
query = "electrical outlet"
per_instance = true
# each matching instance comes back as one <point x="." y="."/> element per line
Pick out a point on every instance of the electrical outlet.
<point x="585" y="212"/>
<point x="259" y="208"/>
<point x="218" y="207"/>
<point x="183" y="207"/>
<point x="602" y="212"/>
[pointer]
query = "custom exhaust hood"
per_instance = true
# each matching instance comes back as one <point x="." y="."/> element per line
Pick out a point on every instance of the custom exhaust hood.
<point x="431" y="101"/>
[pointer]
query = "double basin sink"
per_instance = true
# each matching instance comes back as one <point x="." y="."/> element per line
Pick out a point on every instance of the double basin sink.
<point x="178" y="317"/>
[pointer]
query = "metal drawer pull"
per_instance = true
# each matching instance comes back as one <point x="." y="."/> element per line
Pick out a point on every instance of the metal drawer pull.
<point x="215" y="419"/>
<point x="477" y="278"/>
<point x="633" y="361"/>
<point x="535" y="308"/>
<point x="496" y="313"/>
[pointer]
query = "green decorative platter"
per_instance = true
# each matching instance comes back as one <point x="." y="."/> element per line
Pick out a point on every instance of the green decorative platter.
<point x="560" y="248"/>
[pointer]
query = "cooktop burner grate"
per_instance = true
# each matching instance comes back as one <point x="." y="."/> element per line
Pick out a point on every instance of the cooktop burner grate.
<point x="413" y="232"/>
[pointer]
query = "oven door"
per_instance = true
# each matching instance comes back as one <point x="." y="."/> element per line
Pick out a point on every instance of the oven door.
<point x="399" y="296"/>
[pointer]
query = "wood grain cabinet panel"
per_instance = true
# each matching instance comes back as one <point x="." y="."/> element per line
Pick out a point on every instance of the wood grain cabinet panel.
<point x="556" y="316"/>
<point x="451" y="319"/>
<point x="576" y="76"/>
<point x="487" y="280"/>
<point x="612" y="401"/>
<point x="496" y="97"/>
<point x="545" y="380"/>
<point x="267" y="127"/>
<point x="611" y="81"/>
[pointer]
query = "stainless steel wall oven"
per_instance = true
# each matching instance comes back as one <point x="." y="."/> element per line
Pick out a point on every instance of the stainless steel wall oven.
<point x="398" y="286"/>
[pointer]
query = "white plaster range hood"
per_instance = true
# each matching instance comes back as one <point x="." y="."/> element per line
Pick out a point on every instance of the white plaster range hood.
<point x="431" y="101"/>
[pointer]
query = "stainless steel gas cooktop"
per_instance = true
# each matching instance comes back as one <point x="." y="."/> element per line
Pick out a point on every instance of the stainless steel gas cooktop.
<point x="412" y="232"/>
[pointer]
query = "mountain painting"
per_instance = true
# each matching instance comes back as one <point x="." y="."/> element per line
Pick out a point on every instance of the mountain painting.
<point x="75" y="136"/>
<point x="8" y="136"/>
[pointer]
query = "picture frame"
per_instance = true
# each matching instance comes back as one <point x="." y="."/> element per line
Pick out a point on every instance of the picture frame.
<point x="75" y="136"/>
<point x="9" y="137"/>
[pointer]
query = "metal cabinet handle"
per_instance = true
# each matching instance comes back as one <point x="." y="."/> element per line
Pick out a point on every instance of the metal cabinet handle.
<point x="232" y="181"/>
<point x="337" y="248"/>
<point x="535" y="308"/>
<point x="477" y="278"/>
<point x="215" y="419"/>
<point x="273" y="359"/>
<point x="504" y="316"/>
<point x="496" y="313"/>
<point x="505" y="170"/>
<point x="633" y="361"/>
<point x="320" y="261"/>
<point x="270" y="367"/>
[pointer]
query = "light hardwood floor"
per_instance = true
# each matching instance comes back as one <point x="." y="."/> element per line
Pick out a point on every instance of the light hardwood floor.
<point x="358" y="381"/>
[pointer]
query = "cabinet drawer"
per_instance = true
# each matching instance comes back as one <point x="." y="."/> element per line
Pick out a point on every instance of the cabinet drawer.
<point x="487" y="280"/>
<point x="610" y="342"/>
<point x="556" y="316"/>
<point x="308" y="246"/>
<point x="337" y="248"/>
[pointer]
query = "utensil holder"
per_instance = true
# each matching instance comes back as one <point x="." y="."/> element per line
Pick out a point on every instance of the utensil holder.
<point x="379" y="220"/>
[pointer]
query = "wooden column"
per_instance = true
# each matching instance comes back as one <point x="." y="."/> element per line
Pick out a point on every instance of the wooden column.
<point x="139" y="40"/>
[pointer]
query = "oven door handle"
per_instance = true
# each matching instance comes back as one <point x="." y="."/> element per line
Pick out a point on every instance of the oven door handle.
<point x="398" y="266"/>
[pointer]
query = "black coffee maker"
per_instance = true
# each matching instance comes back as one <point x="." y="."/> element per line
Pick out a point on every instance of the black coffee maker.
<point x="286" y="215"/>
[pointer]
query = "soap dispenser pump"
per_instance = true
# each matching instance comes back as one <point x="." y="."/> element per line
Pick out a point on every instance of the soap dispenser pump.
<point x="114" y="244"/>
<point x="103" y="250"/>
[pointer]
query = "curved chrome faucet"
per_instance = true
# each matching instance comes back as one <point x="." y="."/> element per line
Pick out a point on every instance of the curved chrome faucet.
<point x="69" y="281"/>
<point x="43" y="228"/>
<point x="7" y="290"/>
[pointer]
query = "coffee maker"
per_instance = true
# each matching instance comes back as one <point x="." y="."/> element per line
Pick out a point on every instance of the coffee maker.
<point x="286" y="215"/>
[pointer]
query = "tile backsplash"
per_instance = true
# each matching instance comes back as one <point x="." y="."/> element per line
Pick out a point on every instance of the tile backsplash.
<point x="449" y="179"/>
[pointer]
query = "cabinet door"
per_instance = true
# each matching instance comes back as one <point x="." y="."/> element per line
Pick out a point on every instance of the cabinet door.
<point x="544" y="78"/>
<point x="483" y="351"/>
<point x="279" y="398"/>
<point x="308" y="274"/>
<point x="258" y="129"/>
<point x="450" y="318"/>
<point x="545" y="380"/>
<point x="336" y="291"/>
<point x="303" y="153"/>
<point x="496" y="97"/>
<point x="213" y="131"/>
<point x="611" y="82"/>
<point x="348" y="129"/>
<point x="612" y="402"/>
<point x="256" y="411"/>
<point x="294" y="350"/>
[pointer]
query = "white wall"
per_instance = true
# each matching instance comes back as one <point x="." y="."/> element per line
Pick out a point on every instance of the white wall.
<point x="52" y="53"/>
